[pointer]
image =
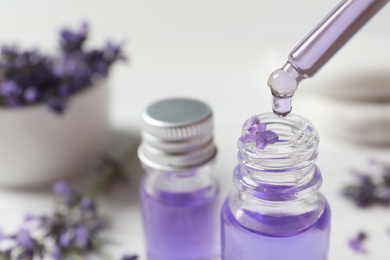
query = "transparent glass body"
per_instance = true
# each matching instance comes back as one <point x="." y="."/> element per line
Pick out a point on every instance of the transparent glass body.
<point x="180" y="213"/>
<point x="276" y="211"/>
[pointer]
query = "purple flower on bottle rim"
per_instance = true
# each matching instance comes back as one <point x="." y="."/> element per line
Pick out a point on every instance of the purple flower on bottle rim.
<point x="257" y="132"/>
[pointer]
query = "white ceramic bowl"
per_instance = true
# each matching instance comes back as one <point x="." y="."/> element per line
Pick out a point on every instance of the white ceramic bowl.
<point x="38" y="146"/>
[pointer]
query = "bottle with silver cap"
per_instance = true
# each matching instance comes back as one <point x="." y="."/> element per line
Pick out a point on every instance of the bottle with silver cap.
<point x="179" y="191"/>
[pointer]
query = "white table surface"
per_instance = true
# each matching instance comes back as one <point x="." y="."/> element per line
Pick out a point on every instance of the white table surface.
<point x="219" y="51"/>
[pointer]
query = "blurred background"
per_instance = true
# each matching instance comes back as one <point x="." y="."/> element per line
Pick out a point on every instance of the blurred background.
<point x="222" y="52"/>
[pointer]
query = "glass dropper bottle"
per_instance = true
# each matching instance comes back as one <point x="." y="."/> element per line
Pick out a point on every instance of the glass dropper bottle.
<point x="319" y="47"/>
<point x="275" y="210"/>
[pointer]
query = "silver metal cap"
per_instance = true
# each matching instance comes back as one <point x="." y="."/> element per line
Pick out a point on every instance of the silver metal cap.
<point x="177" y="134"/>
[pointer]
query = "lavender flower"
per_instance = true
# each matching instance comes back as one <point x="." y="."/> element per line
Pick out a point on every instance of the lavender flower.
<point x="27" y="245"/>
<point x="62" y="188"/>
<point x="31" y="94"/>
<point x="370" y="189"/>
<point x="24" y="239"/>
<point x="356" y="243"/>
<point x="86" y="203"/>
<point x="113" y="51"/>
<point x="66" y="237"/>
<point x="81" y="235"/>
<point x="29" y="77"/>
<point x="9" y="88"/>
<point x="72" y="41"/>
<point x="72" y="229"/>
<point x="364" y="193"/>
<point x="257" y="132"/>
<point x="56" y="253"/>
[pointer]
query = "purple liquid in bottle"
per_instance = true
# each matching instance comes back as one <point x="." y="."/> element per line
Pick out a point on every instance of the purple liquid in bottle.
<point x="275" y="211"/>
<point x="181" y="226"/>
<point x="271" y="237"/>
<point x="242" y="243"/>
<point x="179" y="191"/>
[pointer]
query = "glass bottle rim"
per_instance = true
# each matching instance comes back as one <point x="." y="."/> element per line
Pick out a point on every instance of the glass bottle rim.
<point x="295" y="134"/>
<point x="296" y="145"/>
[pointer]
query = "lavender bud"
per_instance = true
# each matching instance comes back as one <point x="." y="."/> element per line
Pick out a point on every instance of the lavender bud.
<point x="24" y="239"/>
<point x="81" y="235"/>
<point x="31" y="95"/>
<point x="67" y="238"/>
<point x="86" y="203"/>
<point x="63" y="188"/>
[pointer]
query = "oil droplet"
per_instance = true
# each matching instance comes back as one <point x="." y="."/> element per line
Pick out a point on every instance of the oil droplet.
<point x="283" y="86"/>
<point x="282" y="83"/>
<point x="282" y="106"/>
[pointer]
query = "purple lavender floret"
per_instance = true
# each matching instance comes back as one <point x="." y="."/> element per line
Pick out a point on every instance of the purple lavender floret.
<point x="72" y="229"/>
<point x="72" y="41"/>
<point x="30" y="77"/>
<point x="364" y="193"/>
<point x="86" y="203"/>
<point x="257" y="132"/>
<point x="63" y="188"/>
<point x="24" y="239"/>
<point x="356" y="243"/>
<point x="66" y="238"/>
<point x="31" y="94"/>
<point x="370" y="188"/>
<point x="82" y="235"/>
<point x="56" y="253"/>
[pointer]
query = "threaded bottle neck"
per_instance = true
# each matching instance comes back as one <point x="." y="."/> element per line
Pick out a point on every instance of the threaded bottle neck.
<point x="284" y="170"/>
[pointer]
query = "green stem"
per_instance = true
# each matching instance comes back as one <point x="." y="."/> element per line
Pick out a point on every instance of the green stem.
<point x="106" y="178"/>
<point x="73" y="254"/>
<point x="100" y="183"/>
<point x="102" y="253"/>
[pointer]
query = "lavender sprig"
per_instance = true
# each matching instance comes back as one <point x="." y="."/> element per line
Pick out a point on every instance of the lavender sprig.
<point x="73" y="229"/>
<point x="370" y="189"/>
<point x="30" y="77"/>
